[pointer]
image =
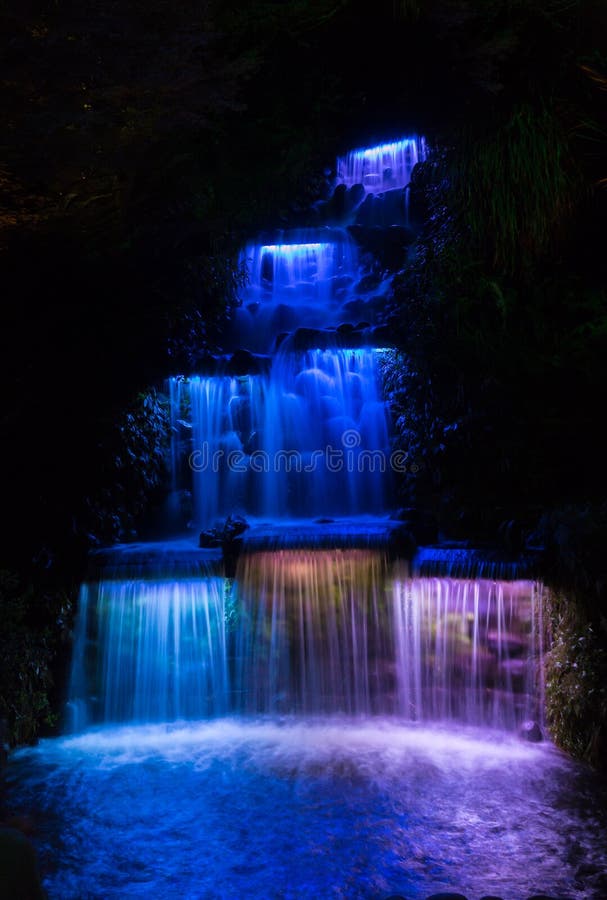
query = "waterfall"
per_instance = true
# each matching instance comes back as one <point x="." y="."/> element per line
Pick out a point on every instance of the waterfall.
<point x="303" y="631"/>
<point x="149" y="649"/>
<point x="225" y="416"/>
<point x="311" y="438"/>
<point x="299" y="280"/>
<point x="381" y="168"/>
<point x="310" y="639"/>
<point x="303" y="268"/>
<point x="468" y="650"/>
<point x="320" y="617"/>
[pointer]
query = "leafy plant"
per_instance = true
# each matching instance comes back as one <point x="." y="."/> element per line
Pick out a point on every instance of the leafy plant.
<point x="515" y="186"/>
<point x="576" y="681"/>
<point x="135" y="469"/>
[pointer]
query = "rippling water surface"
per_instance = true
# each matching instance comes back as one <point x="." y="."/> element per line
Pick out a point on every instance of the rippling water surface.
<point x="315" y="809"/>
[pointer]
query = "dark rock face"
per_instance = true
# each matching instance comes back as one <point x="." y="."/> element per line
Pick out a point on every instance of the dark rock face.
<point x="324" y="339"/>
<point x="205" y="364"/>
<point x="208" y="539"/>
<point x="380" y="336"/>
<point x="243" y="362"/>
<point x="367" y="283"/>
<point x="341" y="206"/>
<point x="18" y="866"/>
<point x="402" y="542"/>
<point x="420" y="523"/>
<point x="387" y="244"/>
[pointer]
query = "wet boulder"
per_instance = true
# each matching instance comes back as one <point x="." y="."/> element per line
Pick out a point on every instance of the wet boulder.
<point x="531" y="731"/>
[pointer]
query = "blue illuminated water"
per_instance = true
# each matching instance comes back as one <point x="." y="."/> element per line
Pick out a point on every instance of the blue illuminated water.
<point x="306" y="264"/>
<point x="160" y="651"/>
<point x="309" y="439"/>
<point x="303" y="279"/>
<point x="382" y="167"/>
<point x="306" y="809"/>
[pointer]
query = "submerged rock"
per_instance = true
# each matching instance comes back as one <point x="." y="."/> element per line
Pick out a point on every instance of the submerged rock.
<point x="447" y="896"/>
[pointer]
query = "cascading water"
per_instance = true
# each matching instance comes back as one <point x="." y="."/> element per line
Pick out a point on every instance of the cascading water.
<point x="313" y="637"/>
<point x="161" y="647"/>
<point x="339" y="631"/>
<point x="224" y="416"/>
<point x="318" y="631"/>
<point x="468" y="651"/>
<point x="149" y="647"/>
<point x="304" y="438"/>
<point x="308" y="439"/>
<point x="321" y="720"/>
<point x="383" y="167"/>
<point x="300" y="280"/>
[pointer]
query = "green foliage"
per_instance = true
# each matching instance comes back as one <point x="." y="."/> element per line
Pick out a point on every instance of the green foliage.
<point x="576" y="681"/>
<point x="32" y="628"/>
<point x="514" y="187"/>
<point x="501" y="344"/>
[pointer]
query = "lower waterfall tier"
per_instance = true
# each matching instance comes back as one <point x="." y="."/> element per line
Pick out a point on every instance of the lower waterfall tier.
<point x="307" y="632"/>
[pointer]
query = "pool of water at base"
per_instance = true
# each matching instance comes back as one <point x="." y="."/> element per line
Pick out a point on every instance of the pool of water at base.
<point x="332" y="808"/>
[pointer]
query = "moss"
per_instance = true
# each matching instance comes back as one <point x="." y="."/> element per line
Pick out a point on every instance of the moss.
<point x="576" y="681"/>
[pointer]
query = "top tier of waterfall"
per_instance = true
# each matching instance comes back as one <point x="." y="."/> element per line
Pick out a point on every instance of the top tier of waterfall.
<point x="327" y="276"/>
<point x="383" y="167"/>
